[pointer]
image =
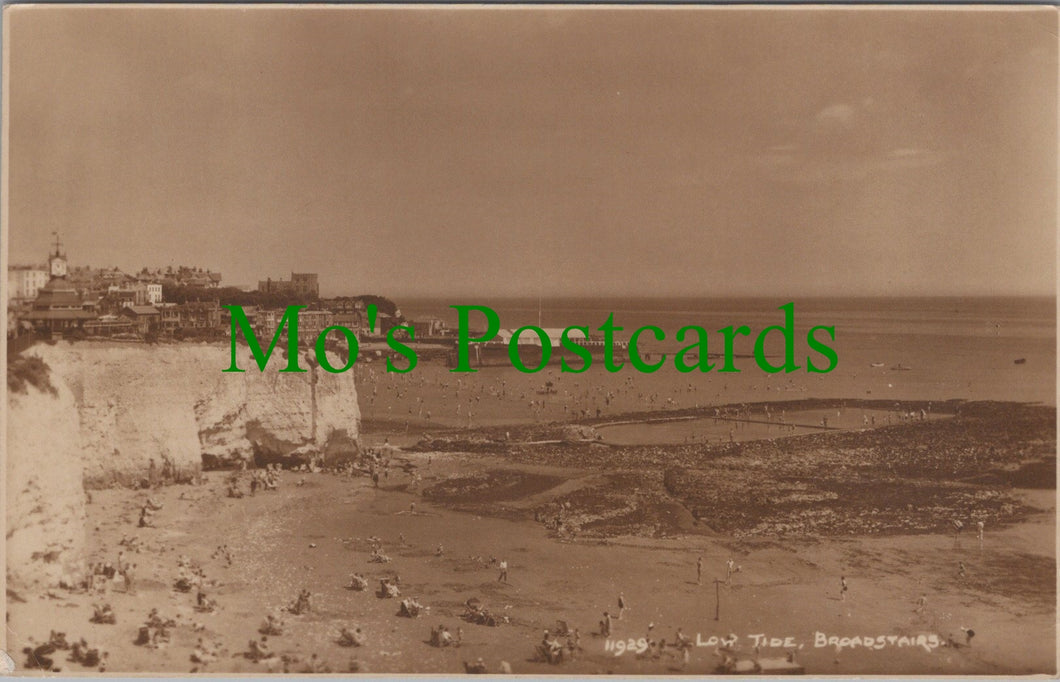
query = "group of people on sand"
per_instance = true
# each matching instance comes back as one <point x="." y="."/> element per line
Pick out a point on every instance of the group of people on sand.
<point x="190" y="576"/>
<point x="258" y="650"/>
<point x="146" y="512"/>
<point x="388" y="587"/>
<point x="260" y="479"/>
<point x="958" y="527"/>
<point x="154" y="633"/>
<point x="302" y="604"/>
<point x="265" y="479"/>
<point x="41" y="656"/>
<point x="553" y="651"/>
<point x="272" y="625"/>
<point x="224" y="554"/>
<point x="102" y="574"/>
<point x="441" y="637"/>
<point x="410" y="607"/>
<point x="103" y="614"/>
<point x="351" y="638"/>
<point x="377" y="557"/>
<point x="204" y="653"/>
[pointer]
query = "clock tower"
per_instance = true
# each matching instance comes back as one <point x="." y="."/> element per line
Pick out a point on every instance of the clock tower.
<point x="57" y="260"/>
<point x="58" y="307"/>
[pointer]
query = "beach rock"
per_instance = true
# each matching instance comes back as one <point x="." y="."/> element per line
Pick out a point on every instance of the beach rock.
<point x="578" y="432"/>
<point x="45" y="500"/>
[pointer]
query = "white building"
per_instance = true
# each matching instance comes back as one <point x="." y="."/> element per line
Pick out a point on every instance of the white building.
<point x="24" y="281"/>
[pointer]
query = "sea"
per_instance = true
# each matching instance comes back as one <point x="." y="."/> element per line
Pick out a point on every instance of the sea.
<point x="973" y="348"/>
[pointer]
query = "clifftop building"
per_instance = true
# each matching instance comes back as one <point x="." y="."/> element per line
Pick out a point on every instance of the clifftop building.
<point x="301" y="283"/>
<point x="58" y="306"/>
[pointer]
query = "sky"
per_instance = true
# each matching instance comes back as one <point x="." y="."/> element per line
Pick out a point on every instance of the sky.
<point x="549" y="151"/>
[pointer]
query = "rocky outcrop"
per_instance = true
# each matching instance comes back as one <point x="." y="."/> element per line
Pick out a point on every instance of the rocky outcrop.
<point x="45" y="504"/>
<point x="174" y="406"/>
<point x="269" y="416"/>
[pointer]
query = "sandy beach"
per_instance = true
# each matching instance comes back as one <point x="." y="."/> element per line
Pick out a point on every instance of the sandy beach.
<point x="448" y="506"/>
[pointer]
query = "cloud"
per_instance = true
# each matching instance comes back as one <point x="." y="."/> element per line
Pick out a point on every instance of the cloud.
<point x="841" y="115"/>
<point x="842" y="142"/>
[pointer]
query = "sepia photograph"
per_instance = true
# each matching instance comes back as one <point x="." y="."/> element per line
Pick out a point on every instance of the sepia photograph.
<point x="529" y="339"/>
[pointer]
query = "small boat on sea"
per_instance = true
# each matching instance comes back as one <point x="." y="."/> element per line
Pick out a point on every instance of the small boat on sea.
<point x="876" y="364"/>
<point x="901" y="368"/>
<point x="1020" y="361"/>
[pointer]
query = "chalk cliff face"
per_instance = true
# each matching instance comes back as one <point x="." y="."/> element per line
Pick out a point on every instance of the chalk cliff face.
<point x="45" y="533"/>
<point x="174" y="405"/>
<point x="116" y="407"/>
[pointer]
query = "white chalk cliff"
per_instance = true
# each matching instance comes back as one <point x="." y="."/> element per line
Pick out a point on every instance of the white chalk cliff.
<point x="173" y="403"/>
<point x="45" y="533"/>
<point x="120" y="406"/>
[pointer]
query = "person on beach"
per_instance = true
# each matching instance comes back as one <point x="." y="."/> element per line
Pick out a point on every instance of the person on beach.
<point x="621" y="605"/>
<point x="684" y="644"/>
<point x="699" y="571"/>
<point x="961" y="572"/>
<point x="348" y="638"/>
<point x="145" y="516"/>
<point x="979" y="530"/>
<point x="842" y="588"/>
<point x="729" y="566"/>
<point x="921" y="604"/>
<point x="127" y="577"/>
<point x="503" y="577"/>
<point x="271" y="625"/>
